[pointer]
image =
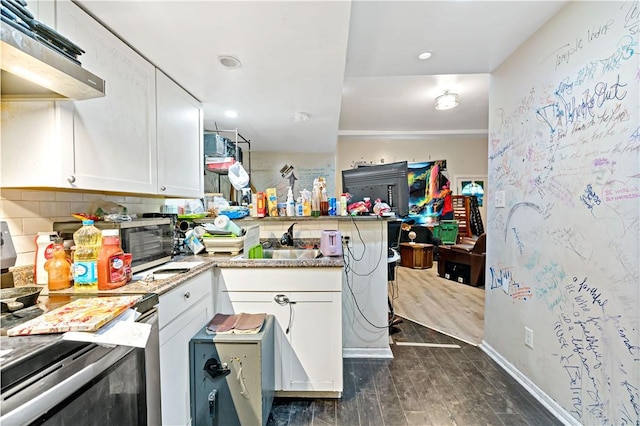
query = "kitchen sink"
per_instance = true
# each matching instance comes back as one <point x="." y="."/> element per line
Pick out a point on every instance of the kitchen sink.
<point x="291" y="254"/>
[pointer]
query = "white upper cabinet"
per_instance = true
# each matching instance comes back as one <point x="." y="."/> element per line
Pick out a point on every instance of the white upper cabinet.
<point x="143" y="137"/>
<point x="180" y="140"/>
<point x="114" y="136"/>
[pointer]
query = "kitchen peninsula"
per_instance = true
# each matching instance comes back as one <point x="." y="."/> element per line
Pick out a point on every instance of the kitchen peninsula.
<point x="327" y="292"/>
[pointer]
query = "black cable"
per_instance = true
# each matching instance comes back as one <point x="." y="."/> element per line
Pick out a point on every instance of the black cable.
<point x="347" y="260"/>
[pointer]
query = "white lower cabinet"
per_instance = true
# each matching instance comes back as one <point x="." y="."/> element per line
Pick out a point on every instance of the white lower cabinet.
<point x="183" y="312"/>
<point x="307" y="306"/>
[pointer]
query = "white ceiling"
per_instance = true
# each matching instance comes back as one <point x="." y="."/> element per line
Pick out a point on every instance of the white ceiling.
<point x="352" y="66"/>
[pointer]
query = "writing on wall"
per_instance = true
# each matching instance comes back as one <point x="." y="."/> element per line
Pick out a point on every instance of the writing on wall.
<point x="565" y="148"/>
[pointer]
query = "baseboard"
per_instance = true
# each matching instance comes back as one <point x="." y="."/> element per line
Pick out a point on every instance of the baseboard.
<point x="383" y="353"/>
<point x="549" y="403"/>
<point x="308" y="394"/>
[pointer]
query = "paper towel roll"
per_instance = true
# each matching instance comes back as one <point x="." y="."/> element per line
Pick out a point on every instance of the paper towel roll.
<point x="223" y="222"/>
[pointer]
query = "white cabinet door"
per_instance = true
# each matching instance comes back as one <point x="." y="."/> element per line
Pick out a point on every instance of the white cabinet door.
<point x="309" y="333"/>
<point x="180" y="136"/>
<point x="308" y="339"/>
<point x="182" y="313"/>
<point x="316" y="341"/>
<point x="35" y="152"/>
<point x="114" y="136"/>
<point x="174" y="363"/>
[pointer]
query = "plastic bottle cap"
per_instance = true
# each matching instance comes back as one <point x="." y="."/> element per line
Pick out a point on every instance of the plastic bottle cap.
<point x="110" y="233"/>
<point x="87" y="222"/>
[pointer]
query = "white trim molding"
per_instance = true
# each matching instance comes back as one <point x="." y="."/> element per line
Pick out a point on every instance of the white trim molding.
<point x="544" y="399"/>
<point x="381" y="353"/>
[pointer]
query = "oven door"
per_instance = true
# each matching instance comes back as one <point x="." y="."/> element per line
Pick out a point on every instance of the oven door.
<point x="96" y="385"/>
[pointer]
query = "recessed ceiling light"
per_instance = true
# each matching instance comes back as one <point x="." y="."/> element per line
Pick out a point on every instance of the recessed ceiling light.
<point x="230" y="114"/>
<point x="424" y="55"/>
<point x="229" y="61"/>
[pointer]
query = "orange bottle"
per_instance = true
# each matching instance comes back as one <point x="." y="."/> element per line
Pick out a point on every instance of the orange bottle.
<point x="58" y="268"/>
<point x="112" y="272"/>
<point x="262" y="204"/>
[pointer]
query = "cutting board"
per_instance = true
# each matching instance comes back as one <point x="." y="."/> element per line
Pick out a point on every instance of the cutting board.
<point x="87" y="314"/>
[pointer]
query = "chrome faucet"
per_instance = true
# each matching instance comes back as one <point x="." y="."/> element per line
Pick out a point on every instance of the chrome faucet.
<point x="287" y="237"/>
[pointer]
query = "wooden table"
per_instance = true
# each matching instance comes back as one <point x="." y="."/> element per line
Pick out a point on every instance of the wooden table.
<point x="416" y="255"/>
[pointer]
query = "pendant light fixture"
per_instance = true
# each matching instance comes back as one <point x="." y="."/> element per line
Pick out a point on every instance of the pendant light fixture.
<point x="447" y="101"/>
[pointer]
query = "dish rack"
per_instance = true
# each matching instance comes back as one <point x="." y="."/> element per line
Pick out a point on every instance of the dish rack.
<point x="233" y="245"/>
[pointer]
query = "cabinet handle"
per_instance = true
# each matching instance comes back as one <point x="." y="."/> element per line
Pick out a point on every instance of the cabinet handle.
<point x="71" y="179"/>
<point x="187" y="295"/>
<point x="163" y="188"/>
<point x="281" y="299"/>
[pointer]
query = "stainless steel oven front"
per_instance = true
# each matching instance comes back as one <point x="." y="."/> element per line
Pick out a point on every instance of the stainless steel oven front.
<point x="90" y="385"/>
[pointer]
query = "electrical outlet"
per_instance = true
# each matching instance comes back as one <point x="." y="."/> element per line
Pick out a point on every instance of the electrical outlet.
<point x="500" y="201"/>
<point x="528" y="337"/>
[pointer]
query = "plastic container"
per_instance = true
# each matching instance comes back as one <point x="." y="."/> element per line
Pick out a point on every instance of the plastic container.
<point x="261" y="204"/>
<point x="58" y="268"/>
<point x="44" y="252"/>
<point x="306" y="202"/>
<point x="315" y="200"/>
<point x="343" y="205"/>
<point x="299" y="207"/>
<point x="112" y="268"/>
<point x="324" y="202"/>
<point x="282" y="209"/>
<point x="291" y="203"/>
<point x="446" y="231"/>
<point x="88" y="241"/>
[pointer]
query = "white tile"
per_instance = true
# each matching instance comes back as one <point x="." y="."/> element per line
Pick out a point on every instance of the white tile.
<point x="53" y="209"/>
<point x="24" y="259"/>
<point x="17" y="209"/>
<point x="90" y="197"/>
<point x="114" y="198"/>
<point x="24" y="243"/>
<point x="79" y="207"/>
<point x="69" y="196"/>
<point x="34" y="195"/>
<point x="11" y="194"/>
<point x="134" y="200"/>
<point x="38" y="224"/>
<point x="15" y="226"/>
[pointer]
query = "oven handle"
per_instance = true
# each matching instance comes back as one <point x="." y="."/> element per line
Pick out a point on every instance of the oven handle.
<point x="46" y="400"/>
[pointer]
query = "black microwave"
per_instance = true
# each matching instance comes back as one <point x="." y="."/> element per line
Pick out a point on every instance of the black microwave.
<point x="149" y="240"/>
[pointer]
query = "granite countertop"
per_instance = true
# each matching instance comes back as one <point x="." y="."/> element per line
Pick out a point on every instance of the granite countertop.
<point x="321" y="262"/>
<point x="370" y="217"/>
<point x="23" y="276"/>
<point x="207" y="261"/>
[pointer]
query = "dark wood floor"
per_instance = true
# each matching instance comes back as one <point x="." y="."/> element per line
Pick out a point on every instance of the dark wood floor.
<point x="420" y="386"/>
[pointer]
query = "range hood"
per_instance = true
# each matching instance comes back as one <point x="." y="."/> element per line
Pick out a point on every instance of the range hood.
<point x="33" y="71"/>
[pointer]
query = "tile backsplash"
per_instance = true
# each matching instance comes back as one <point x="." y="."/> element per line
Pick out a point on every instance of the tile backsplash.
<point x="29" y="211"/>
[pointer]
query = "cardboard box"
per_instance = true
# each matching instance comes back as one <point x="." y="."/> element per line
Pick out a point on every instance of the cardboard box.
<point x="272" y="202"/>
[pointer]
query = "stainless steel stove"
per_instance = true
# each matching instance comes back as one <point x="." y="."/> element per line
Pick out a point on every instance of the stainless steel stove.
<point x="47" y="380"/>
